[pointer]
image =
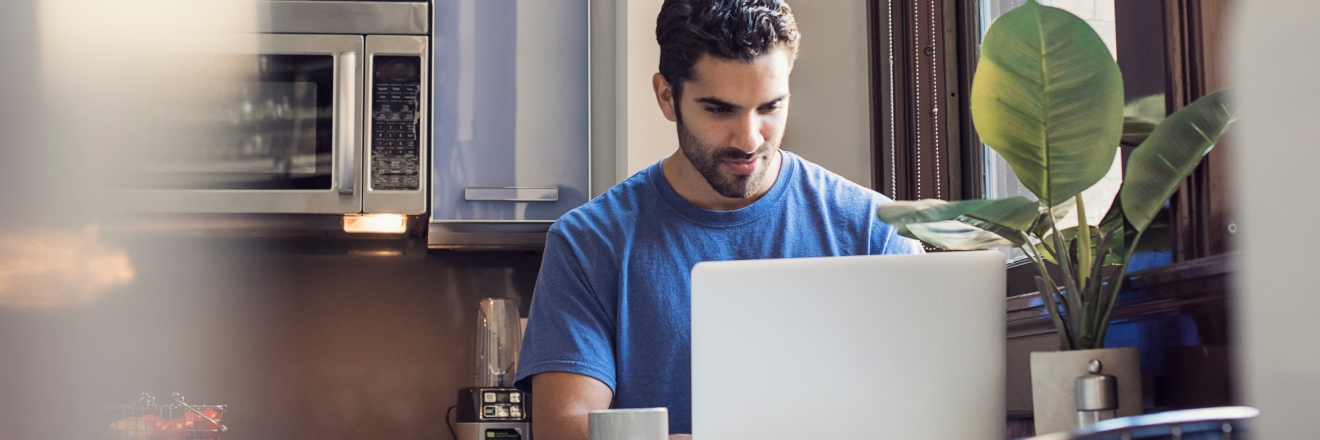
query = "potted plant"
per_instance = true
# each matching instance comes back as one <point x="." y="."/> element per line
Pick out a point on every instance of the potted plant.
<point x="1048" y="97"/>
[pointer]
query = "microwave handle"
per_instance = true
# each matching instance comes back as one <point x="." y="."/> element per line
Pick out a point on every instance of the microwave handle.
<point x="347" y="86"/>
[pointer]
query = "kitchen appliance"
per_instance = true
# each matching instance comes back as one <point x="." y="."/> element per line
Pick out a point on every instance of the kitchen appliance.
<point x="511" y="120"/>
<point x="492" y="408"/>
<point x="320" y="107"/>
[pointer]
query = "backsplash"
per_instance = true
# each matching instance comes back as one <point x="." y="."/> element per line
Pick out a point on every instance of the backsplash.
<point x="298" y="345"/>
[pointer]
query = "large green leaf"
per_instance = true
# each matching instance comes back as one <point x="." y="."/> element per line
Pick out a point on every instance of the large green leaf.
<point x="1048" y="97"/>
<point x="958" y="236"/>
<point x="1097" y="199"/>
<point x="926" y="210"/>
<point x="1169" y="155"/>
<point x="963" y="225"/>
<point x="1013" y="213"/>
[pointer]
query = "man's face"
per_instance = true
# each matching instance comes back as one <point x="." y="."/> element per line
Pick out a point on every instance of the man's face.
<point x="731" y="119"/>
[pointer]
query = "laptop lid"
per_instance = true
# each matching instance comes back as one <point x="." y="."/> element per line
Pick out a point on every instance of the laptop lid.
<point x="888" y="346"/>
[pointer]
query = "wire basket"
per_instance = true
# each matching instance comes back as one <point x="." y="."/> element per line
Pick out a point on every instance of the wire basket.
<point x="176" y="420"/>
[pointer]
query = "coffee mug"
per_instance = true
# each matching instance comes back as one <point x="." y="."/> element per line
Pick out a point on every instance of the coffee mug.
<point x="629" y="424"/>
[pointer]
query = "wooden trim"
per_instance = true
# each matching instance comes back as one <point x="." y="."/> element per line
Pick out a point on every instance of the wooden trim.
<point x="915" y="102"/>
<point x="968" y="55"/>
<point x="1195" y="50"/>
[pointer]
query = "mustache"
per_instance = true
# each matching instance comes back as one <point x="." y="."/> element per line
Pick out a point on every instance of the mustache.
<point x="734" y="154"/>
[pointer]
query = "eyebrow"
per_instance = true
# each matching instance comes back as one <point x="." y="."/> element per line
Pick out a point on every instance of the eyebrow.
<point x="722" y="103"/>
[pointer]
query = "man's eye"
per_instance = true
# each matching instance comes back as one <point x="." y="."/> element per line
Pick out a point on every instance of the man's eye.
<point x="771" y="108"/>
<point x="719" y="110"/>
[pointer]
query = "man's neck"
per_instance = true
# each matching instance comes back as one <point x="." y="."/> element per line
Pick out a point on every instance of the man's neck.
<point x="692" y="186"/>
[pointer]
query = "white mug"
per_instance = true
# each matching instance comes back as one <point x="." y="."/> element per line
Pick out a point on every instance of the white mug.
<point x="629" y="424"/>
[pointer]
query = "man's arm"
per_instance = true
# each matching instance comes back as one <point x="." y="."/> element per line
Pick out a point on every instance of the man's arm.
<point x="561" y="402"/>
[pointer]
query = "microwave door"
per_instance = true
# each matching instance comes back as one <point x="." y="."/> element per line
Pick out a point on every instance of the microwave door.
<point x="396" y="125"/>
<point x="247" y="123"/>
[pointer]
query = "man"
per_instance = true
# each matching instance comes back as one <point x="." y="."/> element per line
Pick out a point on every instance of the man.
<point x="610" y="317"/>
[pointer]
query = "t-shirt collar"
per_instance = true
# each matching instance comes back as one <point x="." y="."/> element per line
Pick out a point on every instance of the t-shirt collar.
<point x="770" y="201"/>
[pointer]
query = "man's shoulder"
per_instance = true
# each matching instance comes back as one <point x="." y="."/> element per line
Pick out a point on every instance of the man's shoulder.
<point x="830" y="186"/>
<point x="609" y="213"/>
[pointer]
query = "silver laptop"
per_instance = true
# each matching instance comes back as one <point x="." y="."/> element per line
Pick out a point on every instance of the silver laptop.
<point x="871" y="347"/>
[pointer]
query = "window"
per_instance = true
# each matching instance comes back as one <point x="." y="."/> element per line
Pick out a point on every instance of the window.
<point x="924" y="54"/>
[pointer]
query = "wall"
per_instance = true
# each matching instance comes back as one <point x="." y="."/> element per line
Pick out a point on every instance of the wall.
<point x="1273" y="71"/>
<point x="830" y="116"/>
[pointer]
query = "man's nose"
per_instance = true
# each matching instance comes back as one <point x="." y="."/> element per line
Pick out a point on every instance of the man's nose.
<point x="748" y="137"/>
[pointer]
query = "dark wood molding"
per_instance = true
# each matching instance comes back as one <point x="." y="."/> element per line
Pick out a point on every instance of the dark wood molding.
<point x="968" y="55"/>
<point x="915" y="99"/>
<point x="1195" y="56"/>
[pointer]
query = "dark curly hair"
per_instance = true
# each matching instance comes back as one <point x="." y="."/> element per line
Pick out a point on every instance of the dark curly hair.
<point x="730" y="29"/>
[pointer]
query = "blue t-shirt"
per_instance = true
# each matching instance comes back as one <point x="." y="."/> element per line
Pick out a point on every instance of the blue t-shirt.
<point x="613" y="298"/>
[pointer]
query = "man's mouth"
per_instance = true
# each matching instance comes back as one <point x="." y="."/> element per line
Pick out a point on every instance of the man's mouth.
<point x="742" y="167"/>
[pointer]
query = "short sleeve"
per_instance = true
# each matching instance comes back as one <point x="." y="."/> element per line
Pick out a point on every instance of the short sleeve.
<point x="570" y="328"/>
<point x="885" y="238"/>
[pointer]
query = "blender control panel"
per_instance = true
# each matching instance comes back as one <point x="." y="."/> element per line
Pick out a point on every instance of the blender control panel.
<point x="396" y="123"/>
<point x="502" y="405"/>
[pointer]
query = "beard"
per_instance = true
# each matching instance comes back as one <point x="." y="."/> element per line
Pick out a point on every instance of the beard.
<point x="708" y="161"/>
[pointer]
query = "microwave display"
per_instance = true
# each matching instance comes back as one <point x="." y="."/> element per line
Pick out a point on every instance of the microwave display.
<point x="396" y="123"/>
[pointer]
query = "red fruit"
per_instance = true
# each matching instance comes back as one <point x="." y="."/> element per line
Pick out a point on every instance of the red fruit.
<point x="175" y="429"/>
<point x="213" y="414"/>
<point x="205" y="430"/>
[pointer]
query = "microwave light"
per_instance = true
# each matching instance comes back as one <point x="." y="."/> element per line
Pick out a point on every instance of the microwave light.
<point x="376" y="223"/>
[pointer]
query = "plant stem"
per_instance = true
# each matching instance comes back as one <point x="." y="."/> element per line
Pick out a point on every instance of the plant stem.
<point x="1072" y="292"/>
<point x="1083" y="245"/>
<point x="1043" y="284"/>
<point x="1118" y="287"/>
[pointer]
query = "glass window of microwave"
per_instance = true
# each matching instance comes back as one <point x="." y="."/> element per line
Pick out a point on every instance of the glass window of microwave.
<point x="234" y="122"/>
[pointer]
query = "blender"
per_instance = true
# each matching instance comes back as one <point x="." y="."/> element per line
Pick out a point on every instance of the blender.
<point x="493" y="408"/>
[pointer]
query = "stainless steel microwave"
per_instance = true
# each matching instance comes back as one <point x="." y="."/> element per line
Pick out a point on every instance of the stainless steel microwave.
<point x="322" y="110"/>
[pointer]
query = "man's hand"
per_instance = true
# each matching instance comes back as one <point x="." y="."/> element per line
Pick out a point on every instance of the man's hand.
<point x="680" y="437"/>
<point x="561" y="402"/>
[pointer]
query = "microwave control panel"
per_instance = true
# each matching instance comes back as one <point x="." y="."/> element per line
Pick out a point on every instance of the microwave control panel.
<point x="396" y="123"/>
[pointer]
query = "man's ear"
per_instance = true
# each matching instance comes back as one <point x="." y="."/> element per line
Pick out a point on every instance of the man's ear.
<point x="664" y="95"/>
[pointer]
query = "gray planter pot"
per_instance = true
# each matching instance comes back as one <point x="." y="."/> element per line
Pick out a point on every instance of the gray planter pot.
<point x="1054" y="378"/>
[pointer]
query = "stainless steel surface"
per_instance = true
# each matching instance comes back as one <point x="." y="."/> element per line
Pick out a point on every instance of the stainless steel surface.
<point x="488" y="235"/>
<point x="511" y="107"/>
<point x="343" y="17"/>
<point x="1096" y="391"/>
<point x="318" y="201"/>
<point x="1220" y="422"/>
<point x="511" y="194"/>
<point x="346" y="107"/>
<point x="399" y="201"/>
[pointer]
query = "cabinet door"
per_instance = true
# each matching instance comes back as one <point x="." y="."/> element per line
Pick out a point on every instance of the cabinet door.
<point x="510" y="110"/>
